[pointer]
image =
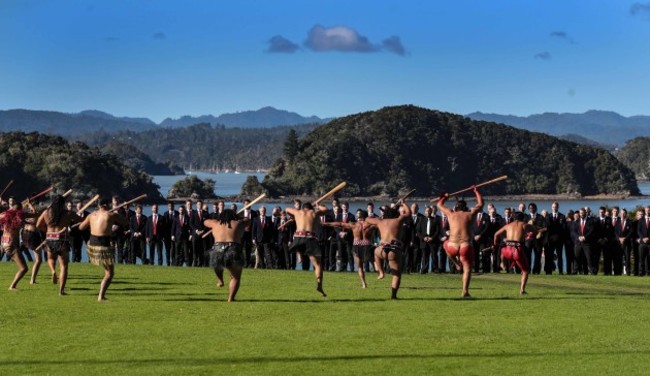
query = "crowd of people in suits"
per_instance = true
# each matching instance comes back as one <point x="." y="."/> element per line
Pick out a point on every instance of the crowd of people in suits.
<point x="578" y="242"/>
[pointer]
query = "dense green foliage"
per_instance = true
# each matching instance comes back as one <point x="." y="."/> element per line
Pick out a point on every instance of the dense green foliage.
<point x="173" y="321"/>
<point x="134" y="158"/>
<point x="206" y="147"/>
<point x="192" y="186"/>
<point x="636" y="155"/>
<point x="252" y="187"/>
<point x="35" y="161"/>
<point x="406" y="147"/>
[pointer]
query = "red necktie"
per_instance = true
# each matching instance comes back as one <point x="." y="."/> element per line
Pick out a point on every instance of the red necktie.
<point x="263" y="222"/>
<point x="582" y="227"/>
<point x="155" y="221"/>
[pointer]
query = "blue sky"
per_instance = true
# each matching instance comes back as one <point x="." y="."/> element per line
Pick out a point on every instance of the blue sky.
<point x="162" y="59"/>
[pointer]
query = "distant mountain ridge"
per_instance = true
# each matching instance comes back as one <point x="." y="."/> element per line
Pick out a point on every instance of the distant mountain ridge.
<point x="263" y="118"/>
<point x="62" y="124"/>
<point x="89" y="121"/>
<point x="605" y="127"/>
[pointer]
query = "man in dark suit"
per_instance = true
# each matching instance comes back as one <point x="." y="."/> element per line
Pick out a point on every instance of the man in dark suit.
<point x="263" y="237"/>
<point x="79" y="236"/>
<point x="198" y="242"/>
<point x="154" y="234"/>
<point x="533" y="243"/>
<point x="582" y="233"/>
<point x="444" y="235"/>
<point x="284" y="233"/>
<point x="492" y="260"/>
<point x="408" y="236"/>
<point x="181" y="236"/>
<point x="604" y="233"/>
<point x="555" y="230"/>
<point x="479" y="226"/>
<point x="168" y="220"/>
<point x="345" y="238"/>
<point x="428" y="231"/>
<point x="621" y="247"/>
<point x="138" y="228"/>
<point x="643" y="230"/>
<point x="247" y="238"/>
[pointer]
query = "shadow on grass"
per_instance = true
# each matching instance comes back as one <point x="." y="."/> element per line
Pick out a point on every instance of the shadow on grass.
<point x="299" y="359"/>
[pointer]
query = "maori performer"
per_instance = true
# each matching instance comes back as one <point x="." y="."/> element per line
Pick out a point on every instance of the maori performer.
<point x="362" y="233"/>
<point x="305" y="240"/>
<point x="227" y="230"/>
<point x="459" y="246"/>
<point x="11" y="221"/>
<point x="32" y="238"/>
<point x="390" y="247"/>
<point x="513" y="250"/>
<point x="55" y="220"/>
<point x="100" y="252"/>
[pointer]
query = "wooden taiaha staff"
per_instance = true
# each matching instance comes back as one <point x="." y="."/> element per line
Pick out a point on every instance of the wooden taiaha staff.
<point x="260" y="197"/>
<point x="120" y="206"/>
<point x="95" y="198"/>
<point x="6" y="187"/>
<point x="504" y="177"/>
<point x="407" y="195"/>
<point x="50" y="189"/>
<point x="330" y="193"/>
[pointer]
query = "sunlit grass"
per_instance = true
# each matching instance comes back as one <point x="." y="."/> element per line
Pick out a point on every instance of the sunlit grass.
<point x="163" y="320"/>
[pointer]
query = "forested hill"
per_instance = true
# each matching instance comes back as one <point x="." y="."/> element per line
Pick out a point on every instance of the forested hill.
<point x="205" y="147"/>
<point x="406" y="147"/>
<point x="36" y="161"/>
<point x="636" y="155"/>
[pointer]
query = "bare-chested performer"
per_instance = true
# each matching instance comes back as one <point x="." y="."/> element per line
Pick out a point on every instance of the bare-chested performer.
<point x="363" y="233"/>
<point x="11" y="221"/>
<point x="226" y="252"/>
<point x="390" y="247"/>
<point x="55" y="220"/>
<point x="513" y="250"/>
<point x="31" y="237"/>
<point x="305" y="241"/>
<point x="459" y="245"/>
<point x="102" y="222"/>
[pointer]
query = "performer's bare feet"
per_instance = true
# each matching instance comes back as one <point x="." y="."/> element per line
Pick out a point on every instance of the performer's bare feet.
<point x="62" y="293"/>
<point x="466" y="295"/>
<point x="364" y="285"/>
<point x="13" y="289"/>
<point x="503" y="267"/>
<point x="32" y="282"/>
<point x="102" y="300"/>
<point x="319" y="288"/>
<point x="219" y="282"/>
<point x="55" y="279"/>
<point x="523" y="292"/>
<point x="381" y="275"/>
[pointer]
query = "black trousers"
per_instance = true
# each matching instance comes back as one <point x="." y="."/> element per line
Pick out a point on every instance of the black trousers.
<point x="644" y="249"/>
<point x="137" y="249"/>
<point x="347" y="258"/>
<point x="554" y="250"/>
<point x="534" y="248"/>
<point x="583" y="258"/>
<point x="570" y="257"/>
<point x="181" y="252"/>
<point x="155" y="249"/>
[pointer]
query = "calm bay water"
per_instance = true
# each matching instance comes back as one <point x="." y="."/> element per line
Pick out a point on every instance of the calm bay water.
<point x="230" y="184"/>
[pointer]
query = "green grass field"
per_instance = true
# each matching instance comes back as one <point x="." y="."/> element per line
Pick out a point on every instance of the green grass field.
<point x="175" y="321"/>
